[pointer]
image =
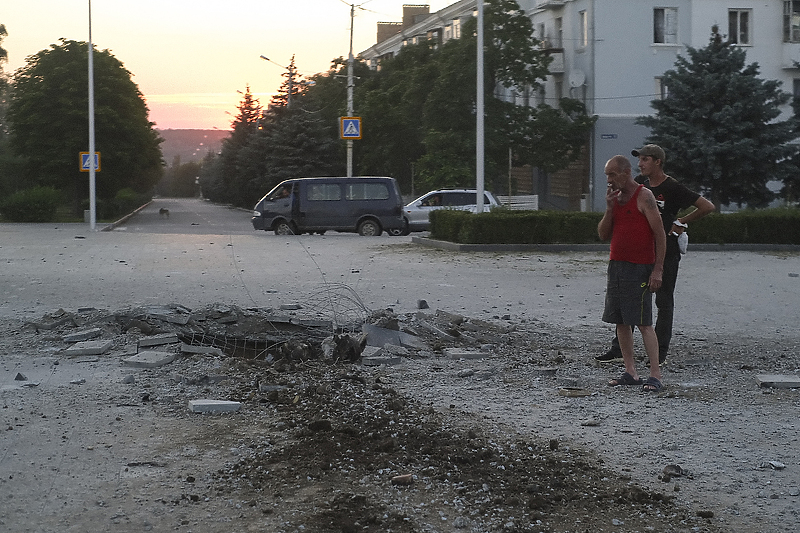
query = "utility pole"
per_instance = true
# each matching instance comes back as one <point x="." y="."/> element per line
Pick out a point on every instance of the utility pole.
<point x="92" y="200"/>
<point x="350" y="93"/>
<point x="479" y="125"/>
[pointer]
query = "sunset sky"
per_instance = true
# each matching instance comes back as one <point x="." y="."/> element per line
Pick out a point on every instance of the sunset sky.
<point x="190" y="57"/>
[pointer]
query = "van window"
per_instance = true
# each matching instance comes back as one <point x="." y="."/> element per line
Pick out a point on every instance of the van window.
<point x="366" y="191"/>
<point x="324" y="191"/>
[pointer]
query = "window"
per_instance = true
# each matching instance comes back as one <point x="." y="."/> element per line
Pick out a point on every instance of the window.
<point x="324" y="191"/>
<point x="584" y="29"/>
<point x="791" y="21"/>
<point x="366" y="191"/>
<point x="662" y="90"/>
<point x="665" y="25"/>
<point x="739" y="26"/>
<point x="559" y="39"/>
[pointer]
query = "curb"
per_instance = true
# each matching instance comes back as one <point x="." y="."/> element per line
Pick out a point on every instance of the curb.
<point x="456" y="247"/>
<point x="124" y="219"/>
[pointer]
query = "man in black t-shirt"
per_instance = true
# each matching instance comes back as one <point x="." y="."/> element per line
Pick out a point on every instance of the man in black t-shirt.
<point x="671" y="197"/>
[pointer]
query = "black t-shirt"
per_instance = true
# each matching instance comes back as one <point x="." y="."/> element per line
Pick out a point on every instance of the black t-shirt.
<point x="671" y="197"/>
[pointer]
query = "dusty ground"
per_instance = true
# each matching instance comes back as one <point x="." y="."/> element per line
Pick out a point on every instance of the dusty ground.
<point x="87" y="444"/>
<point x="489" y="444"/>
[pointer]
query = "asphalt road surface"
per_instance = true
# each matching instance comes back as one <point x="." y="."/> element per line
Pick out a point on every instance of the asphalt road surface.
<point x="203" y="253"/>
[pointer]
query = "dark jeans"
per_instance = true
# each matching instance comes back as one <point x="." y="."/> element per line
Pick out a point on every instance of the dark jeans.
<point x="665" y="303"/>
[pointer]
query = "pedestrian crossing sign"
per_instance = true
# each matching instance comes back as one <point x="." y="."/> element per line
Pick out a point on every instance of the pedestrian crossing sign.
<point x="86" y="162"/>
<point x="350" y="127"/>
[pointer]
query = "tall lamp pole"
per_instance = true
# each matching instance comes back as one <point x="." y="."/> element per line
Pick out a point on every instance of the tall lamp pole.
<point x="350" y="93"/>
<point x="92" y="200"/>
<point x="479" y="126"/>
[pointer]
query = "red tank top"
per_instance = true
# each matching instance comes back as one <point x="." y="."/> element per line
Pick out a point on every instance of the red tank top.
<point x="632" y="239"/>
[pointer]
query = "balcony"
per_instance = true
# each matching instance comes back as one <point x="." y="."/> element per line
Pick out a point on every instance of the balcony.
<point x="557" y="65"/>
<point x="790" y="56"/>
<point x="550" y="4"/>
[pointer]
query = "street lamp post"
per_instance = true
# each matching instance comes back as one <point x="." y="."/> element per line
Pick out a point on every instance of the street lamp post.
<point x="350" y="110"/>
<point x="92" y="200"/>
<point x="291" y="70"/>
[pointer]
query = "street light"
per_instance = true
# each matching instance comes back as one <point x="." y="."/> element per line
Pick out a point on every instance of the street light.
<point x="291" y="70"/>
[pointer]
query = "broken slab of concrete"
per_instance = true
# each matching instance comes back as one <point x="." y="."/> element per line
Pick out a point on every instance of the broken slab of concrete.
<point x="172" y="318"/>
<point x="778" y="381"/>
<point x="149" y="359"/>
<point x="377" y="336"/>
<point x="158" y="340"/>
<point x="209" y="350"/>
<point x="457" y="353"/>
<point x="84" y="335"/>
<point x="89" y="348"/>
<point x="213" y="406"/>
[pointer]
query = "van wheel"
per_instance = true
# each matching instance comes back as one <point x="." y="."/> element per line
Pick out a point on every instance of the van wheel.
<point x="285" y="228"/>
<point x="369" y="228"/>
<point x="399" y="232"/>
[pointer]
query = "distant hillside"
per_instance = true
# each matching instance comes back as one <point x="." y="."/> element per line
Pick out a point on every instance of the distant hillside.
<point x="190" y="145"/>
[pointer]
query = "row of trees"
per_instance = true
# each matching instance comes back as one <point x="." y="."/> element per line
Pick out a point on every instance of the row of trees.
<point x="418" y="113"/>
<point x="719" y="123"/>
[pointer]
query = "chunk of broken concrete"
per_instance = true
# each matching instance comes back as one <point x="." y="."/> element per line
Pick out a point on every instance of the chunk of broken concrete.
<point x="84" y="335"/>
<point x="149" y="359"/>
<point x="778" y="381"/>
<point x="213" y="406"/>
<point x="89" y="348"/>
<point x="210" y="350"/>
<point x="377" y="336"/>
<point x="158" y="340"/>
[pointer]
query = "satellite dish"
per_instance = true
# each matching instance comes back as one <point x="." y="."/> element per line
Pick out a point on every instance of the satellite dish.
<point x="576" y="78"/>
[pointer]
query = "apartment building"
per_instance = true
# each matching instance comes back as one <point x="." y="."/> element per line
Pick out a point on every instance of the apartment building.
<point x="611" y="54"/>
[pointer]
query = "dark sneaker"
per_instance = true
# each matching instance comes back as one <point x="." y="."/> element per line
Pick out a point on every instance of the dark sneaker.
<point x="611" y="356"/>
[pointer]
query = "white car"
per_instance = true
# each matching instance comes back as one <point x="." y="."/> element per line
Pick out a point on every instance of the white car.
<point x="417" y="213"/>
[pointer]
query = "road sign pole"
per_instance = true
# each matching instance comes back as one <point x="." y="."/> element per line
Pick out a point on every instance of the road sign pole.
<point x="92" y="201"/>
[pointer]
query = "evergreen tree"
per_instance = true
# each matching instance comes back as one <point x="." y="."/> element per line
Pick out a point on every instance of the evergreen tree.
<point x="718" y="125"/>
<point x="48" y="117"/>
<point x="289" y="89"/>
<point x="223" y="183"/>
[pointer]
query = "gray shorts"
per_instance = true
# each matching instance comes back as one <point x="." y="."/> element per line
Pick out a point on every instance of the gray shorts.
<point x="628" y="298"/>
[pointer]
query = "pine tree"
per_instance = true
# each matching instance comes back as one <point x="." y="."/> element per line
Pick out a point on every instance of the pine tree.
<point x="718" y="125"/>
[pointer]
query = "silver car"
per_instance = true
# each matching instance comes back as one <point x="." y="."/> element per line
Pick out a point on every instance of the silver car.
<point x="417" y="213"/>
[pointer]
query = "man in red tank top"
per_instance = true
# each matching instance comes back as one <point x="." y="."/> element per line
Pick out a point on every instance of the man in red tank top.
<point x="638" y="242"/>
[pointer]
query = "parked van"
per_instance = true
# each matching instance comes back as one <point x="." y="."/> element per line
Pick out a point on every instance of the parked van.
<point x="367" y="205"/>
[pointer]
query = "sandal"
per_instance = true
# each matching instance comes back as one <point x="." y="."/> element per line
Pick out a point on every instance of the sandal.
<point x="624" y="379"/>
<point x="652" y="385"/>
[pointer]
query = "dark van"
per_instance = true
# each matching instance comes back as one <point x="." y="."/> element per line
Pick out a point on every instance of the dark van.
<point x="367" y="205"/>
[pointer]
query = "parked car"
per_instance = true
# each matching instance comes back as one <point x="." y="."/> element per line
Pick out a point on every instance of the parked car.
<point x="416" y="214"/>
<point x="367" y="205"/>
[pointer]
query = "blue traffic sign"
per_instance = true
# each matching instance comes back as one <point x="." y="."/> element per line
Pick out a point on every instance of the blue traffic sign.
<point x="350" y="127"/>
<point x="85" y="163"/>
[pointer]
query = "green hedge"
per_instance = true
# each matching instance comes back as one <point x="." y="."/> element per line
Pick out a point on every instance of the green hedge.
<point x="767" y="226"/>
<point x="503" y="226"/>
<point x="38" y="204"/>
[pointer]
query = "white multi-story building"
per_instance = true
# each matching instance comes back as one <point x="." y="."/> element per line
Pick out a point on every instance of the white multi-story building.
<point x="611" y="54"/>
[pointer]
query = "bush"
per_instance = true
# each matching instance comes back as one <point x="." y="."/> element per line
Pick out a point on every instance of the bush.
<point x="504" y="226"/>
<point x="38" y="204"/>
<point x="127" y="201"/>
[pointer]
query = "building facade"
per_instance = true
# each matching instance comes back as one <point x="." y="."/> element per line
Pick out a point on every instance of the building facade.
<point x="611" y="54"/>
